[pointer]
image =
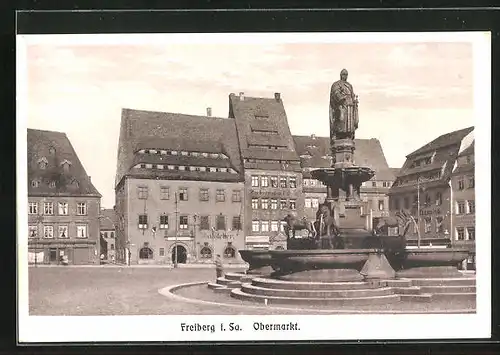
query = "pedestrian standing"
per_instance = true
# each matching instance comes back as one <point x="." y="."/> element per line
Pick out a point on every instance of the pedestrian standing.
<point x="218" y="266"/>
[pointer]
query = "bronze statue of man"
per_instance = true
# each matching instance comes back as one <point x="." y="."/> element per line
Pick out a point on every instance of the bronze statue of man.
<point x="343" y="109"/>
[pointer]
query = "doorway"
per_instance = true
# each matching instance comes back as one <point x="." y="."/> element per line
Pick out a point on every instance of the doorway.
<point x="181" y="254"/>
<point x="53" y="255"/>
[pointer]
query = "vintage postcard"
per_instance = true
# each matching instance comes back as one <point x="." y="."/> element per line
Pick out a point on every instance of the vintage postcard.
<point x="270" y="186"/>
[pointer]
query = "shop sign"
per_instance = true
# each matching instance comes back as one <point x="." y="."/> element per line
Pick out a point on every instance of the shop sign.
<point x="430" y="212"/>
<point x="220" y="235"/>
<point x="270" y="193"/>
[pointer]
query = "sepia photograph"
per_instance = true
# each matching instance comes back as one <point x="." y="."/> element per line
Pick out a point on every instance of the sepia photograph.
<point x="270" y="186"/>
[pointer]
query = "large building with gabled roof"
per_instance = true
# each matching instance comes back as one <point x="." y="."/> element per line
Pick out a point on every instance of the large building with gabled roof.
<point x="423" y="187"/>
<point x="63" y="204"/>
<point x="179" y="189"/>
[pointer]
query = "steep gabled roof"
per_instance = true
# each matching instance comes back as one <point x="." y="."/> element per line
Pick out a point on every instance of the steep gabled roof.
<point x="368" y="153"/>
<point x="467" y="151"/>
<point x="55" y="149"/>
<point x="444" y="140"/>
<point x="259" y="121"/>
<point x="107" y="219"/>
<point x="174" y="131"/>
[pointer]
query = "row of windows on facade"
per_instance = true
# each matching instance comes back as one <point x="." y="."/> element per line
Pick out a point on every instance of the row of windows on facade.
<point x="43" y="163"/>
<point x="184" y="153"/>
<point x="205" y="252"/>
<point x="186" y="168"/>
<point x="468" y="233"/>
<point x="284" y="163"/>
<point x="108" y="234"/>
<point x="274" y="204"/>
<point x="62" y="231"/>
<point x="62" y="208"/>
<point x="266" y="226"/>
<point x="414" y="179"/>
<point x="461" y="183"/>
<point x="461" y="206"/>
<point x="438" y="225"/>
<point x="274" y="181"/>
<point x="425" y="200"/>
<point x="183" y="195"/>
<point x="52" y="184"/>
<point x="204" y="222"/>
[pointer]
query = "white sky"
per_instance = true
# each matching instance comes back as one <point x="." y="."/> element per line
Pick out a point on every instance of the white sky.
<point x="409" y="93"/>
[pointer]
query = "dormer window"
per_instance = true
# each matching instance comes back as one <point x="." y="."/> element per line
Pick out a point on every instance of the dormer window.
<point x="195" y="154"/>
<point x="174" y="152"/>
<point x="35" y="183"/>
<point x="52" y="150"/>
<point x="184" y="153"/>
<point x="65" y="165"/>
<point x="42" y="163"/>
<point x="52" y="184"/>
<point x="204" y="154"/>
<point x="153" y="151"/>
<point x="262" y="117"/>
<point x="214" y="155"/>
<point x="75" y="183"/>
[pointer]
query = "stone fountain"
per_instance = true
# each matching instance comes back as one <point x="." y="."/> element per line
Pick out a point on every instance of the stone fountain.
<point x="345" y="259"/>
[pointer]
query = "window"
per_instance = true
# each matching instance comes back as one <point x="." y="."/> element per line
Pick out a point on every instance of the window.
<point x="292" y="182"/>
<point x="381" y="205"/>
<point x="143" y="221"/>
<point x="274" y="204"/>
<point x="406" y="202"/>
<point x="220" y="222"/>
<point x="472" y="206"/>
<point x="204" y="223"/>
<point x="461" y="184"/>
<point x="274" y="181"/>
<point x="282" y="226"/>
<point x="264" y="181"/>
<point x="282" y="182"/>
<point x="34" y="183"/>
<point x="255" y="181"/>
<point x="48" y="208"/>
<point x="264" y="226"/>
<point x="63" y="232"/>
<point x="460" y="207"/>
<point x="32" y="231"/>
<point x="111" y="234"/>
<point x="220" y="195"/>
<point x="471" y="182"/>
<point x="264" y="204"/>
<point x="293" y="204"/>
<point x="52" y="184"/>
<point x="236" y="223"/>
<point x="162" y="252"/>
<point x="385" y="183"/>
<point x="206" y="252"/>
<point x="146" y="253"/>
<point x="164" y="221"/>
<point x="471" y="233"/>
<point x="315" y="202"/>
<point x="33" y="208"/>
<point x="81" y="231"/>
<point x="374" y="184"/>
<point x="283" y="204"/>
<point x="164" y="193"/>
<point x="274" y="226"/>
<point x="439" y="199"/>
<point x="427" y="226"/>
<point x="42" y="163"/>
<point x="183" y="222"/>
<point x="460" y="233"/>
<point x="427" y="199"/>
<point x="204" y="195"/>
<point x="63" y="208"/>
<point x="229" y="252"/>
<point x="255" y="226"/>
<point x="439" y="224"/>
<point x="183" y="194"/>
<point x="396" y="203"/>
<point x="81" y="208"/>
<point x="48" y="231"/>
<point x="236" y="196"/>
<point x="255" y="203"/>
<point x="307" y="203"/>
<point x="142" y="192"/>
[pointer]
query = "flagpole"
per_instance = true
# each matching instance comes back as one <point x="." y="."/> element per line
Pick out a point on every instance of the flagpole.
<point x="418" y="211"/>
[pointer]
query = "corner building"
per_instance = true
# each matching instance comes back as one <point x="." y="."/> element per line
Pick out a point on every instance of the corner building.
<point x="423" y="187"/>
<point x="179" y="189"/>
<point x="273" y="176"/>
<point x="63" y="204"/>
<point x="315" y="153"/>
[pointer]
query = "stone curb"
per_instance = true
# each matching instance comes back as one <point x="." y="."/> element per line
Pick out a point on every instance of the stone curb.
<point x="168" y="292"/>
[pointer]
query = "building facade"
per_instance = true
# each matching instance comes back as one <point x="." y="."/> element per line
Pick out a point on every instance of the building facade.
<point x="178" y="200"/>
<point x="423" y="187"/>
<point x="273" y="178"/>
<point x="107" y="221"/>
<point x="63" y="205"/>
<point x="315" y="153"/>
<point x="464" y="203"/>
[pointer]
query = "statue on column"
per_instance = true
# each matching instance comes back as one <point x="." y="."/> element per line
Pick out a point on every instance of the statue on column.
<point x="343" y="109"/>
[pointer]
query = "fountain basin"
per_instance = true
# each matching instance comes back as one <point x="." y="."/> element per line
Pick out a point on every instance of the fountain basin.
<point x="259" y="261"/>
<point x="337" y="176"/>
<point x="419" y="263"/>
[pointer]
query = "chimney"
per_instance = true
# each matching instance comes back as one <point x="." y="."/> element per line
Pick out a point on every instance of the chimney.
<point x="90" y="178"/>
<point x="313" y="136"/>
<point x="242" y="96"/>
<point x="209" y="111"/>
<point x="277" y="96"/>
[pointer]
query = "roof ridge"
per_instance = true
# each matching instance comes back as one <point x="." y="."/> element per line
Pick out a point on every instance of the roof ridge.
<point x="46" y="131"/>
<point x="176" y="113"/>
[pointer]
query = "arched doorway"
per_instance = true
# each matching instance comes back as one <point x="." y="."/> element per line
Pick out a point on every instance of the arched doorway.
<point x="181" y="254"/>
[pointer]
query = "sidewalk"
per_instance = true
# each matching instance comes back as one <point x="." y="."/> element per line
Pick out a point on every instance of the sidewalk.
<point x="145" y="266"/>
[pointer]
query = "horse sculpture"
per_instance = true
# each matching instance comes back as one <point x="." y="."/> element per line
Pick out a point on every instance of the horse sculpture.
<point x="293" y="224"/>
<point x="328" y="231"/>
<point x="401" y="219"/>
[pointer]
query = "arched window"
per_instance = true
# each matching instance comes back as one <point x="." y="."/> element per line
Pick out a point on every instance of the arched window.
<point x="206" y="253"/>
<point x="279" y="247"/>
<point x="229" y="252"/>
<point x="145" y="253"/>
